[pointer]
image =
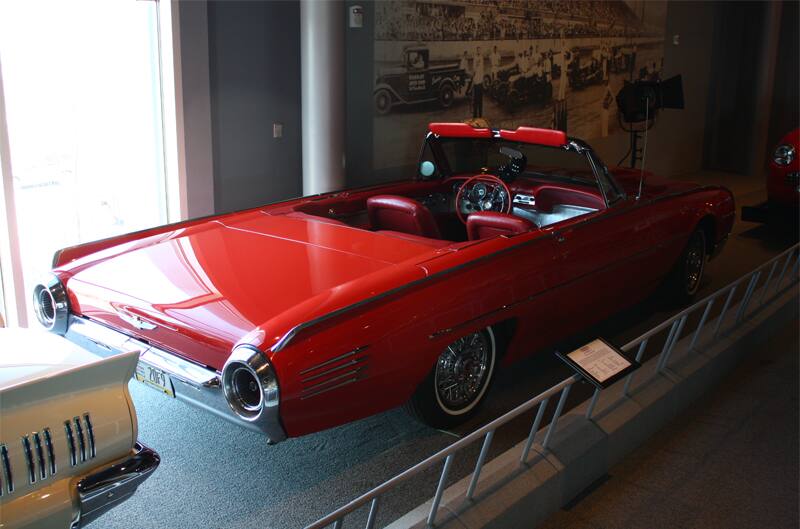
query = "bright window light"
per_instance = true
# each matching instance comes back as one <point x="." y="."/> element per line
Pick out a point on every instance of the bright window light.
<point x="84" y="114"/>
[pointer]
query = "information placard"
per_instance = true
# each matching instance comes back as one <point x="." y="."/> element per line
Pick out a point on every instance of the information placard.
<point x="599" y="362"/>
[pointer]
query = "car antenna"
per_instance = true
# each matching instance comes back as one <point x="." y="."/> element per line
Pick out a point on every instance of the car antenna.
<point x="644" y="149"/>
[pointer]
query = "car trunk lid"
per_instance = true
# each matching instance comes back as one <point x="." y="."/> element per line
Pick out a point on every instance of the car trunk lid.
<point x="200" y="290"/>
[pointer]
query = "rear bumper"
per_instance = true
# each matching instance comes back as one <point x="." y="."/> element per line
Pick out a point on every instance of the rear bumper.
<point x="195" y="384"/>
<point x="107" y="488"/>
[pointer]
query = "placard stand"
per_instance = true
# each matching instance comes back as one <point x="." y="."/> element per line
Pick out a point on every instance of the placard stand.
<point x="600" y="363"/>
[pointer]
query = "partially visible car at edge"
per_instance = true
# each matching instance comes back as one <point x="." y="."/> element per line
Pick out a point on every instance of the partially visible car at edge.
<point x="783" y="184"/>
<point x="68" y="448"/>
<point x="783" y="181"/>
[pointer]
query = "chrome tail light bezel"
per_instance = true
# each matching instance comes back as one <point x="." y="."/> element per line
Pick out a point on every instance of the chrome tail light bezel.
<point x="51" y="305"/>
<point x="247" y="364"/>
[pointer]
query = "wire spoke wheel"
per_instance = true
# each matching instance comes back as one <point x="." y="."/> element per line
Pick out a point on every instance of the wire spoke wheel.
<point x="694" y="262"/>
<point x="457" y="383"/>
<point x="462" y="371"/>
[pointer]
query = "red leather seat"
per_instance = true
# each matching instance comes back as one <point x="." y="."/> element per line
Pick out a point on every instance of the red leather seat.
<point x="484" y="224"/>
<point x="396" y="213"/>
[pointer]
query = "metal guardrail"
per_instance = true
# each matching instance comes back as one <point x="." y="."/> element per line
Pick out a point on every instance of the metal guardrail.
<point x="675" y="324"/>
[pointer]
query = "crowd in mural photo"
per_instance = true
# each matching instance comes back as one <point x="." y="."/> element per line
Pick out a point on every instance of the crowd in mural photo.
<point x="519" y="62"/>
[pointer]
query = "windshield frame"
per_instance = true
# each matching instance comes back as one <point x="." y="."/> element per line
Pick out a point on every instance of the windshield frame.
<point x="598" y="168"/>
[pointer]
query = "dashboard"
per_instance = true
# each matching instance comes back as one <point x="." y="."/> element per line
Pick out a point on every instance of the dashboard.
<point x="542" y="202"/>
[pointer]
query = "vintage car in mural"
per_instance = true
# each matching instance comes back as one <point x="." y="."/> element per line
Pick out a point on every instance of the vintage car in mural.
<point x="68" y="448"/>
<point x="416" y="80"/>
<point x="584" y="70"/>
<point x="535" y="89"/>
<point x="513" y="90"/>
<point x="306" y="314"/>
<point x="783" y="185"/>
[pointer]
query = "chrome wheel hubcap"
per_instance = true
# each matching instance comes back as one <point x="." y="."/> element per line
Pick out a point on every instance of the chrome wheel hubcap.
<point x="694" y="264"/>
<point x="462" y="369"/>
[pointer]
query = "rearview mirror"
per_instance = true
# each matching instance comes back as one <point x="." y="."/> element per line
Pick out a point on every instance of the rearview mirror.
<point x="427" y="169"/>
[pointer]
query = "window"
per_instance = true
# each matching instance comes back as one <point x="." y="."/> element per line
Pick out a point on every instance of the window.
<point x="84" y="116"/>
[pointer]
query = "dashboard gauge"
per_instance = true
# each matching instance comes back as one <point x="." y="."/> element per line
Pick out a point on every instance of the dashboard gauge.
<point x="479" y="191"/>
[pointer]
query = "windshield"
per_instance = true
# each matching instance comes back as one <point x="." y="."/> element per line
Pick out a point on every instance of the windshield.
<point x="472" y="156"/>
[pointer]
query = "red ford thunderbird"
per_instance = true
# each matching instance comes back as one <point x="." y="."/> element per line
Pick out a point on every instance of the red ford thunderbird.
<point x="306" y="314"/>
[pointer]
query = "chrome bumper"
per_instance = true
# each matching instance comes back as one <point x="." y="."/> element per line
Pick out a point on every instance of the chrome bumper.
<point x="109" y="487"/>
<point x="192" y="383"/>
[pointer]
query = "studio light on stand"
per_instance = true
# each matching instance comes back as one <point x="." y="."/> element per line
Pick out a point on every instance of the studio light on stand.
<point x="638" y="103"/>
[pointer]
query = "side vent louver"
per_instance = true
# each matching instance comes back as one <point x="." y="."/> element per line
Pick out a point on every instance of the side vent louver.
<point x="81" y="439"/>
<point x="334" y="373"/>
<point x="90" y="434"/>
<point x="7" y="474"/>
<point x="37" y="445"/>
<point x="39" y="451"/>
<point x="73" y="457"/>
<point x="51" y="455"/>
<point x="29" y="461"/>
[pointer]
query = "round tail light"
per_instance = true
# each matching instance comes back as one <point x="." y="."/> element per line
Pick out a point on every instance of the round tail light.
<point x="249" y="383"/>
<point x="51" y="306"/>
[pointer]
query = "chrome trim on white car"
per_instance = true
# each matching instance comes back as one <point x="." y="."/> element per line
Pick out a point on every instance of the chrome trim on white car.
<point x="100" y="491"/>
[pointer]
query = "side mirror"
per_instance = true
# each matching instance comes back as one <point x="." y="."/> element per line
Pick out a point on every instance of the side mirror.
<point x="427" y="169"/>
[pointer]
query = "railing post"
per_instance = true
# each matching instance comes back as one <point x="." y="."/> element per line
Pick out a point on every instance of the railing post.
<point x="747" y="295"/>
<point x="721" y="316"/>
<point x="668" y="341"/>
<point x="479" y="465"/>
<point x="783" y="271"/>
<point x="439" y="490"/>
<point x="666" y="354"/>
<point x="534" y="428"/>
<point x="592" y="404"/>
<point x="702" y="323"/>
<point x="373" y="513"/>
<point x="556" y="415"/>
<point x="338" y="524"/>
<point x="766" y="284"/>
<point x="639" y="355"/>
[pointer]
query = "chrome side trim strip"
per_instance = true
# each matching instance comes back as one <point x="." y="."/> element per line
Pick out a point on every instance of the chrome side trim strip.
<point x="613" y="211"/>
<point x="336" y="359"/>
<point x="7" y="469"/>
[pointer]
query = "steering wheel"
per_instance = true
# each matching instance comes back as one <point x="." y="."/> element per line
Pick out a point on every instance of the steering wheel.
<point x="483" y="192"/>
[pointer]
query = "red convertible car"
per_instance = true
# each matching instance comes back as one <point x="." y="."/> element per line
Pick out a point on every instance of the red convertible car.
<point x="783" y="182"/>
<point x="306" y="314"/>
<point x="783" y="185"/>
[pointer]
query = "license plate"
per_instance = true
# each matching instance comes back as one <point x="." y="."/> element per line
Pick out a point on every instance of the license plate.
<point x="155" y="378"/>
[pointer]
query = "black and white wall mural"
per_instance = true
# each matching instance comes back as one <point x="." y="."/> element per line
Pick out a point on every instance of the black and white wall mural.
<point x="510" y="62"/>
